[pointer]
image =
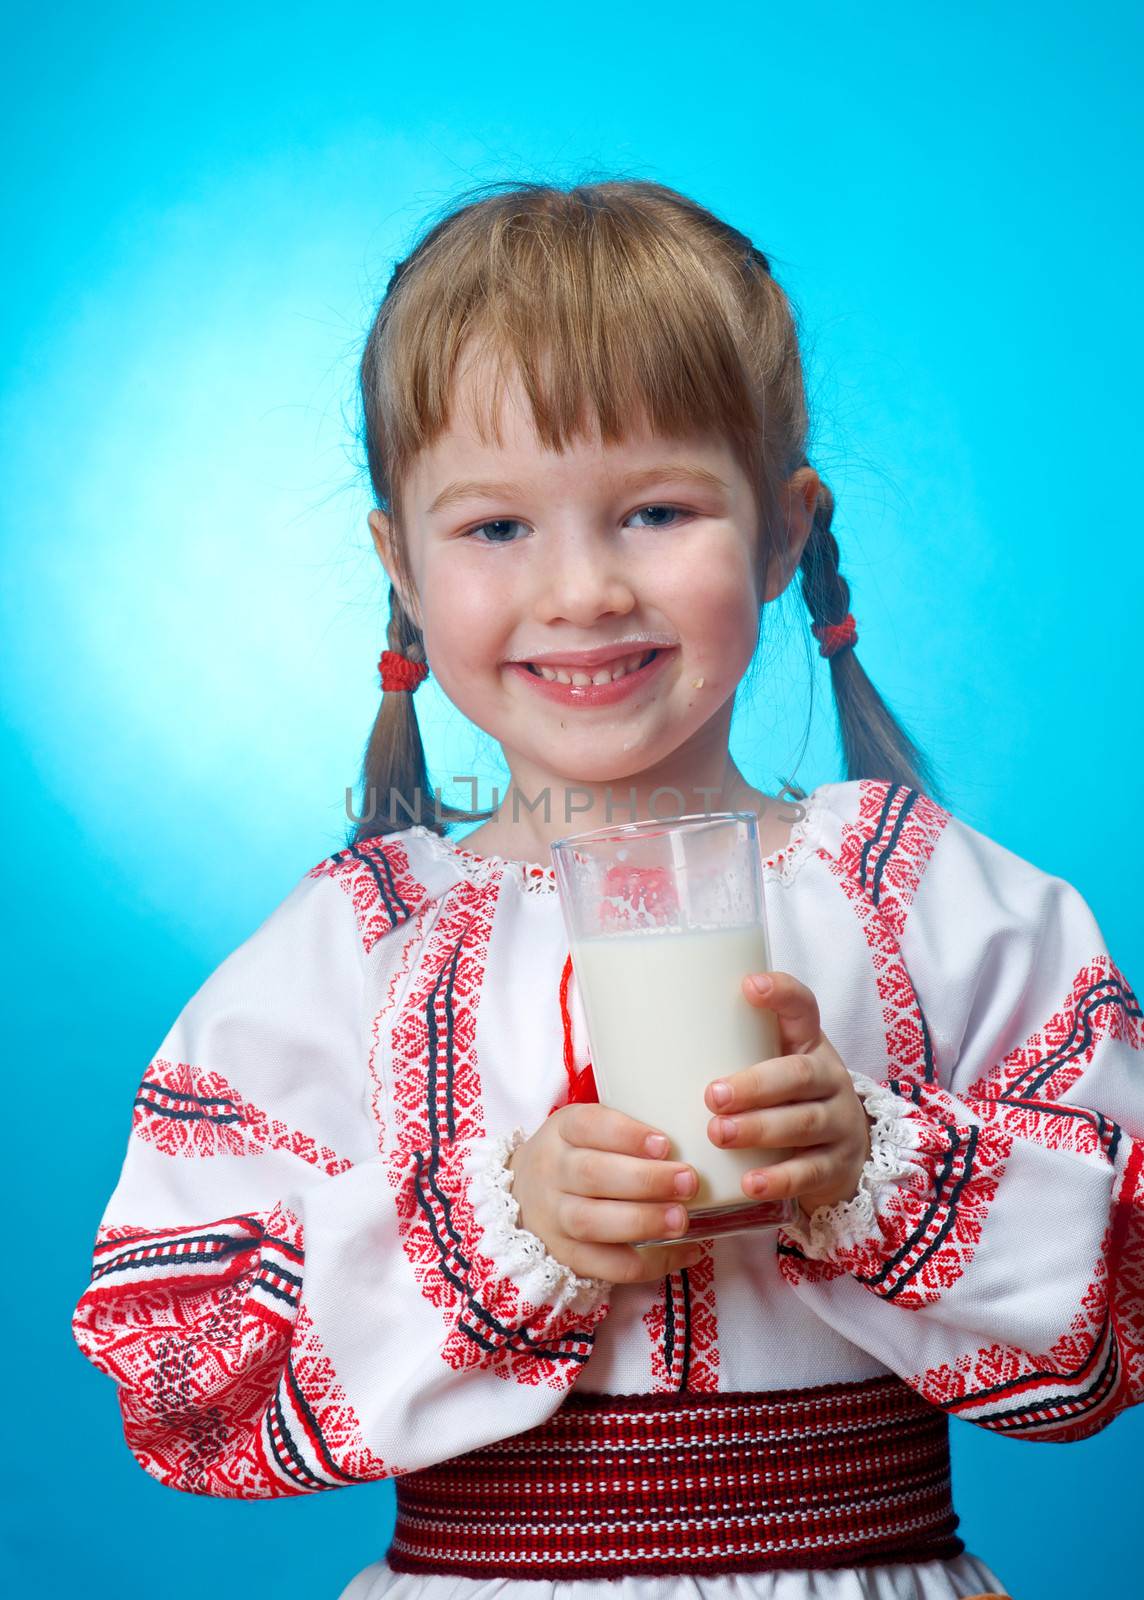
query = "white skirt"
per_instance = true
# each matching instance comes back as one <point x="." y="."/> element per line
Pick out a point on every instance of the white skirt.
<point x="956" y="1579"/>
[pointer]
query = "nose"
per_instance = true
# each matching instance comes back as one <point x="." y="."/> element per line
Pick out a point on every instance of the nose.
<point x="583" y="579"/>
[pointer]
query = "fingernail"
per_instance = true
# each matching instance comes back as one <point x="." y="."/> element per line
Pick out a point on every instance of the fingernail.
<point x="656" y="1145"/>
<point x="676" y="1216"/>
<point x="721" y="1093"/>
<point x="761" y="984"/>
<point x="726" y="1128"/>
<point x="684" y="1182"/>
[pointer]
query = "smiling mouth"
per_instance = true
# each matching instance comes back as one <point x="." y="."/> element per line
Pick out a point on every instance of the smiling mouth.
<point x="597" y="675"/>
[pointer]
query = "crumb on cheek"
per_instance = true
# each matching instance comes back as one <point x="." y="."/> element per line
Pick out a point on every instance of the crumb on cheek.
<point x="697" y="683"/>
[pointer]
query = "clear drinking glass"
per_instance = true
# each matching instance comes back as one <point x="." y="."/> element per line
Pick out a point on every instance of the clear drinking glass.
<point x="664" y="921"/>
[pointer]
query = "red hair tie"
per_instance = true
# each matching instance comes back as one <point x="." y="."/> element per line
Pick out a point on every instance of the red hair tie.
<point x="835" y="636"/>
<point x="399" y="672"/>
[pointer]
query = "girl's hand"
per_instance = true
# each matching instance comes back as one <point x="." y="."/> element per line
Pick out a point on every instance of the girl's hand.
<point x="804" y="1100"/>
<point x="590" y="1187"/>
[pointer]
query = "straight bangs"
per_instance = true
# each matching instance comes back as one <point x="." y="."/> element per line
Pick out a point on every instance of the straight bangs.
<point x="608" y="314"/>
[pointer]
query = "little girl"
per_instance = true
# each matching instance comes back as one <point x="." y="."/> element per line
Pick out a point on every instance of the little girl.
<point x="373" y="1220"/>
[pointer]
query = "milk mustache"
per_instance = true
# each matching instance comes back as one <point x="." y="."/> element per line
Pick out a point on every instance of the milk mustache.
<point x="655" y="1050"/>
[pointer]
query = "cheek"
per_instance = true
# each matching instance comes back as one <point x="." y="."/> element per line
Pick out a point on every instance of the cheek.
<point x="720" y="614"/>
<point x="464" y="621"/>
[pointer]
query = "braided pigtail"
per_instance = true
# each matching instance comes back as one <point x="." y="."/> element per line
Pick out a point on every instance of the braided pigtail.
<point x="874" y="743"/>
<point x="395" y="779"/>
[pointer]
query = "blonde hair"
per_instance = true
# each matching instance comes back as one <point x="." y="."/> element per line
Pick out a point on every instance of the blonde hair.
<point x="610" y="300"/>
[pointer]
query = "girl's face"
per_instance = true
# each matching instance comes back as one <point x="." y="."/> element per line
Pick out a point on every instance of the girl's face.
<point x="519" y="552"/>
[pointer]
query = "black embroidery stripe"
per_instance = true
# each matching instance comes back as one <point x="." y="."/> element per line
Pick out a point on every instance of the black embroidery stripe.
<point x="131" y="1259"/>
<point x="668" y="1323"/>
<point x="871" y="842"/>
<point x="519" y="1339"/>
<point x="157" y="1086"/>
<point x="305" y="1408"/>
<point x="386" y="888"/>
<point x="282" y="1272"/>
<point x="874" y="1279"/>
<point x="446" y="976"/>
<point x="970" y="1151"/>
<point x="685" y="1284"/>
<point x="292" y="1250"/>
<point x="1039" y="1417"/>
<point x="907" y="806"/>
<point x="185" y="1116"/>
<point x="292" y="1297"/>
<point x="1073" y="1046"/>
<point x="1109" y="1140"/>
<point x="911" y="1091"/>
<point x="998" y="1391"/>
<point x="1034" y="1414"/>
<point x="426" y="1178"/>
<point x="929" y="1072"/>
<point x="520" y="1343"/>
<point x="286" y="1452"/>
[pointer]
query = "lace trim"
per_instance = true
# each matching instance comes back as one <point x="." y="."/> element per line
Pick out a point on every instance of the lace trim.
<point x="894" y="1134"/>
<point x="516" y="1251"/>
<point x="535" y="878"/>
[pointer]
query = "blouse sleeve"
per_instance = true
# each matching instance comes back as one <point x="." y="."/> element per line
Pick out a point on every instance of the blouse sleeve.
<point x="254" y="1294"/>
<point x="993" y="1256"/>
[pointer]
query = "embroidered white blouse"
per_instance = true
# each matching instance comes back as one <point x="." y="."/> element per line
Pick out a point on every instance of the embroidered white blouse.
<point x="269" y="1292"/>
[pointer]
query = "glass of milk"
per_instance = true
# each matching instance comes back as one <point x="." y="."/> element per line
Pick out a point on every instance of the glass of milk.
<point x="664" y="920"/>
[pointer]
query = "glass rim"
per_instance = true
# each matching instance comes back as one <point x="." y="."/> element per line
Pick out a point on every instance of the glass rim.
<point x="650" y="826"/>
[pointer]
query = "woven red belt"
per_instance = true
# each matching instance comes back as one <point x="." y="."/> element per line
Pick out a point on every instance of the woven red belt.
<point x="844" y="1475"/>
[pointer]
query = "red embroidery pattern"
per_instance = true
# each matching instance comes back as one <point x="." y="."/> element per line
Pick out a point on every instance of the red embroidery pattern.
<point x="926" y="1235"/>
<point x="683" y="1330"/>
<point x="1025" y="1091"/>
<point x="377" y="877"/>
<point x="191" y="1112"/>
<point x="193" y="1324"/>
<point x="382" y="1025"/>
<point x="438" y="1109"/>
<point x="1092" y="1372"/>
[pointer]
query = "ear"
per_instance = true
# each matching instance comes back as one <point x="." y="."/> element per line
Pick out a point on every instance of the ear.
<point x="381" y="531"/>
<point x="799" y="499"/>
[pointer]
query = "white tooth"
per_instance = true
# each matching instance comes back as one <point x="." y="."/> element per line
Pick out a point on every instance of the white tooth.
<point x="603" y="676"/>
<point x="581" y="678"/>
<point x="547" y="672"/>
<point x="562" y="677"/>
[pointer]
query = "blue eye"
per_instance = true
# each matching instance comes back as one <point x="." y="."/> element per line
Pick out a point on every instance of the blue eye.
<point x="676" y="510"/>
<point x="500" y="522"/>
<point x="511" y="522"/>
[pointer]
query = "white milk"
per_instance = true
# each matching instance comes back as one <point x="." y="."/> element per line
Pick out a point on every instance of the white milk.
<point x="666" y="1015"/>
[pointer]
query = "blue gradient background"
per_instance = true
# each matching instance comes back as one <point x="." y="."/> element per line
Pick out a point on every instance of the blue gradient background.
<point x="205" y="207"/>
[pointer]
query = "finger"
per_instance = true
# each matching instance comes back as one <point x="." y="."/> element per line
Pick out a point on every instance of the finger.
<point x="602" y="1175"/>
<point x="599" y="1127"/>
<point x="810" y="1122"/>
<point x="660" y="1259"/>
<point x="626" y="1264"/>
<point x="811" y="1170"/>
<point x="778" y="1081"/>
<point x="618" y="1221"/>
<point x="791" y="1001"/>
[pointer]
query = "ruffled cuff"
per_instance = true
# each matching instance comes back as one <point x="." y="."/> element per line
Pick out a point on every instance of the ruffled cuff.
<point x="515" y="1252"/>
<point x="897" y="1160"/>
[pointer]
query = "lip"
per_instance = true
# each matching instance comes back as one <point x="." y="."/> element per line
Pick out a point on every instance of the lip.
<point x="602" y="655"/>
<point x="595" y="694"/>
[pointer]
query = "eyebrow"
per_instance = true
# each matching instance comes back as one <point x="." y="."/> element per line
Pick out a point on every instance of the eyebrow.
<point x="471" y="489"/>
